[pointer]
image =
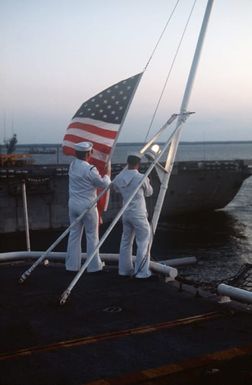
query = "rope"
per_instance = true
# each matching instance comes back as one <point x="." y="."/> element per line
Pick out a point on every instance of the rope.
<point x="160" y="37"/>
<point x="170" y="70"/>
<point x="241" y="279"/>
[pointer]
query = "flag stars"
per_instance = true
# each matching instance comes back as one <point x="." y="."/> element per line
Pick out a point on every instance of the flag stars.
<point x="110" y="104"/>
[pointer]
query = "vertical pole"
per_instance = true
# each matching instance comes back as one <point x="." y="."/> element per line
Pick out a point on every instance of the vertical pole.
<point x="26" y="216"/>
<point x="57" y="149"/>
<point x="190" y="81"/>
<point x="181" y="119"/>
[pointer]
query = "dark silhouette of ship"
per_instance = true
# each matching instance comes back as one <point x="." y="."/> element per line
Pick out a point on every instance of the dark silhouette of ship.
<point x="194" y="187"/>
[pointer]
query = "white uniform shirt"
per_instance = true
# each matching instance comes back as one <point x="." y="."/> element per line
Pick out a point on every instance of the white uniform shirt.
<point x="126" y="182"/>
<point x="84" y="179"/>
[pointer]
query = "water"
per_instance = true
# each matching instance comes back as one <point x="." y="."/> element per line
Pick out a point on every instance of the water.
<point x="221" y="241"/>
<point x="186" y="151"/>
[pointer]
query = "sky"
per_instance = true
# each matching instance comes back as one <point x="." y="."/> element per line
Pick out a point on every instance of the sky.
<point x="55" y="54"/>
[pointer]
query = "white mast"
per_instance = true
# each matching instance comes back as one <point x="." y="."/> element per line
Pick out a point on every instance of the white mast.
<point x="174" y="143"/>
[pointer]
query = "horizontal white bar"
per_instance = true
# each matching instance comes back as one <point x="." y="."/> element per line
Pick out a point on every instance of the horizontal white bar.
<point x="17" y="255"/>
<point x="179" y="261"/>
<point x="236" y="293"/>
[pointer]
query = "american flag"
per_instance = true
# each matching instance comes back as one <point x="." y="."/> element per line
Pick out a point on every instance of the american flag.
<point x="99" y="120"/>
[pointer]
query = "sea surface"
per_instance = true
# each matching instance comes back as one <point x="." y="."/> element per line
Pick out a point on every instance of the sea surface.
<point x="221" y="241"/>
<point x="186" y="151"/>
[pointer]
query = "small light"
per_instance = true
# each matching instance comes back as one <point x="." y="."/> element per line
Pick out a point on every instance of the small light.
<point x="153" y="152"/>
<point x="155" y="148"/>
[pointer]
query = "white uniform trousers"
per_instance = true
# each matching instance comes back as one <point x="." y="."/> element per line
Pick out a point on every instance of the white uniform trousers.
<point x="90" y="223"/>
<point x="135" y="227"/>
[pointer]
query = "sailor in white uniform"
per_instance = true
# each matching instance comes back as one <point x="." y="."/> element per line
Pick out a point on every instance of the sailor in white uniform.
<point x="135" y="222"/>
<point x="84" y="179"/>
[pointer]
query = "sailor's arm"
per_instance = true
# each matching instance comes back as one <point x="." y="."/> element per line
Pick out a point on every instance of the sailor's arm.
<point x="148" y="190"/>
<point x="97" y="179"/>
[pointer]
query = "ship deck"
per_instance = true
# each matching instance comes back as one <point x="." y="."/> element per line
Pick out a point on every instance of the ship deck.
<point x="117" y="330"/>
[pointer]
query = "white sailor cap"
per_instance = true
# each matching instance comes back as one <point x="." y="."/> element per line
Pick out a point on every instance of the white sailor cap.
<point x="83" y="146"/>
<point x="135" y="154"/>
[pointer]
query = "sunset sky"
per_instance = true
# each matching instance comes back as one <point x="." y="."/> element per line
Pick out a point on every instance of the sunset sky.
<point x="55" y="54"/>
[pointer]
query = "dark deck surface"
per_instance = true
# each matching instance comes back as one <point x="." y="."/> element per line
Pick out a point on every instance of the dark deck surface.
<point x="116" y="330"/>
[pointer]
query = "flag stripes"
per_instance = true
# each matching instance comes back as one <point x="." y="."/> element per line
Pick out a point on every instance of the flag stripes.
<point x="99" y="119"/>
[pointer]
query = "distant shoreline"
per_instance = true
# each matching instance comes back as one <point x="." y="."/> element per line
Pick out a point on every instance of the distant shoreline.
<point x="140" y="143"/>
<point x="220" y="142"/>
<point x="197" y="142"/>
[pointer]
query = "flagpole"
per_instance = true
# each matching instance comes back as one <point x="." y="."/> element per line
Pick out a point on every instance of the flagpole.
<point x="190" y="80"/>
<point x="175" y="141"/>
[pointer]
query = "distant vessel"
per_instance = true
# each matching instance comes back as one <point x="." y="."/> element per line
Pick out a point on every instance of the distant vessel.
<point x="15" y="160"/>
<point x="42" y="150"/>
<point x="10" y="158"/>
<point x="194" y="187"/>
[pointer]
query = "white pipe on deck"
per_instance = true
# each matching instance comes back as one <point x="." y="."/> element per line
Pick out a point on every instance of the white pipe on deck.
<point x="60" y="256"/>
<point x="179" y="261"/>
<point x="236" y="293"/>
<point x="163" y="269"/>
